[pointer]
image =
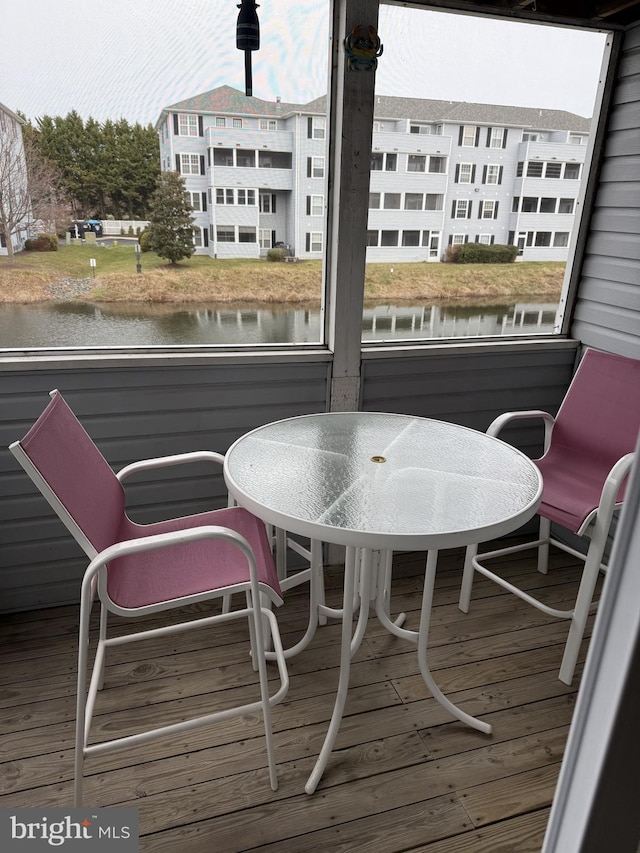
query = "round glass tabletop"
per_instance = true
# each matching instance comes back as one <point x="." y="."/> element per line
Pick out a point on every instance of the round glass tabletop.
<point x="379" y="480"/>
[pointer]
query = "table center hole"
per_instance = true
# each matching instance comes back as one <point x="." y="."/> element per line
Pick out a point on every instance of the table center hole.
<point x="378" y="459"/>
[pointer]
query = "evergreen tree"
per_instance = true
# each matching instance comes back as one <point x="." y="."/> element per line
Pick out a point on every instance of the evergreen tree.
<point x="171" y="221"/>
<point x="106" y="169"/>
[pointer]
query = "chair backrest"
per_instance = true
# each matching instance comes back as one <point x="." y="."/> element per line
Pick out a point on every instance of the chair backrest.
<point x="73" y="476"/>
<point x="601" y="410"/>
<point x="599" y="419"/>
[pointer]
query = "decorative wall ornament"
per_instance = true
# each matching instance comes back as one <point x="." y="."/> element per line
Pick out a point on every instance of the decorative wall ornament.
<point x="248" y="38"/>
<point x="363" y="48"/>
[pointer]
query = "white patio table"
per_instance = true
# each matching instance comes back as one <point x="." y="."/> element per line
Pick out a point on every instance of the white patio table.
<point x="377" y="483"/>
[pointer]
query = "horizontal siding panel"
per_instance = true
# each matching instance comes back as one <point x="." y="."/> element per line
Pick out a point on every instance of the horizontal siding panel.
<point x="626" y="321"/>
<point x="612" y="270"/>
<point x="620" y="193"/>
<point x="623" y="143"/>
<point x="468" y="389"/>
<point x="622" y="221"/>
<point x="625" y="118"/>
<point x="611" y="245"/>
<point x="632" y="38"/>
<point x="629" y="64"/>
<point x="621" y="169"/>
<point x="627" y="90"/>
<point x="608" y="338"/>
<point x="611" y="293"/>
<point x="607" y="310"/>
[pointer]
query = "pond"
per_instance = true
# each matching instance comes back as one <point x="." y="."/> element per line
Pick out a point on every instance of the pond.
<point x="76" y="324"/>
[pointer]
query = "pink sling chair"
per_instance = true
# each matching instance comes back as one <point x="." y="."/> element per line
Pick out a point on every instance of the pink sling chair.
<point x="139" y="569"/>
<point x="588" y="451"/>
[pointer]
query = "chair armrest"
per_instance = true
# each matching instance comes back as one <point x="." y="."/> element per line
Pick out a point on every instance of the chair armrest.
<point x="502" y="420"/>
<point x="167" y="461"/>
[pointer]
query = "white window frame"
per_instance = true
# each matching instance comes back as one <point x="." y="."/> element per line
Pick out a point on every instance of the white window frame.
<point x="246" y="197"/>
<point x="418" y="162"/>
<point x="577" y="166"/>
<point x="189" y="164"/>
<point x="197" y="237"/>
<point x="221" y="121"/>
<point x="236" y="122"/>
<point x="458" y="239"/>
<point x="316" y="241"/>
<point x="317" y="205"/>
<point x="317" y="167"/>
<point x="318" y="127"/>
<point x="497" y="137"/>
<point x="195" y="200"/>
<point x="265" y="238"/>
<point x="493" y="171"/>
<point x="484" y="239"/>
<point x="462" y="206"/>
<point x="437" y="157"/>
<point x="268" y="124"/>
<point x="188" y="125"/>
<point x="469" y="132"/>
<point x="465" y="172"/>
<point x="230" y="229"/>
<point x="249" y="230"/>
<point x="265" y="202"/>
<point x="488" y="206"/>
<point x="567" y="212"/>
<point x="418" y="201"/>
<point x="226" y="194"/>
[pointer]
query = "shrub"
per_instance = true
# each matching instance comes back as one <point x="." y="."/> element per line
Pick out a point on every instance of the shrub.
<point x="275" y="255"/>
<point x="143" y="239"/>
<point x="130" y="231"/>
<point x="480" y="253"/>
<point x="42" y="243"/>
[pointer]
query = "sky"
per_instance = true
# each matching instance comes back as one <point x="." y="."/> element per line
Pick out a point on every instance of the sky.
<point x="130" y="58"/>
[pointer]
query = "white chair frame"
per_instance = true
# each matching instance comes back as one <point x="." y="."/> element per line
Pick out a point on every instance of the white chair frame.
<point x="595" y="526"/>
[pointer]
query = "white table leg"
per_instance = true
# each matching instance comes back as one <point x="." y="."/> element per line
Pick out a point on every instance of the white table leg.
<point x="423" y="637"/>
<point x="347" y="648"/>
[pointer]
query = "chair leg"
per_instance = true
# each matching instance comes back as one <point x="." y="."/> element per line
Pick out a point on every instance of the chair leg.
<point x="103" y="636"/>
<point x="256" y="628"/>
<point x="81" y="698"/>
<point x="543" y="548"/>
<point x="583" y="603"/>
<point x="467" y="578"/>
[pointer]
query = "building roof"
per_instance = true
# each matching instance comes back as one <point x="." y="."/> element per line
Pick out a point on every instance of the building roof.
<point x="11" y="114"/>
<point x="226" y="99"/>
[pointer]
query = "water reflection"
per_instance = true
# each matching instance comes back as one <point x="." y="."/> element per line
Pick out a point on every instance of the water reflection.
<point x="78" y="324"/>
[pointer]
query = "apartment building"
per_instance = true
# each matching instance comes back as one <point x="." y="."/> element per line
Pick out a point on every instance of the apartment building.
<point x="442" y="173"/>
<point x="15" y="208"/>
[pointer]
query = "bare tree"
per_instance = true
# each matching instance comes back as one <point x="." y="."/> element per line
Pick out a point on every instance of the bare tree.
<point x="50" y="209"/>
<point x="31" y="192"/>
<point x="15" y="204"/>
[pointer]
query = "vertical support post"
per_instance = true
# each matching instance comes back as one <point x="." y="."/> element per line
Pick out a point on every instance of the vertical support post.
<point x="350" y="130"/>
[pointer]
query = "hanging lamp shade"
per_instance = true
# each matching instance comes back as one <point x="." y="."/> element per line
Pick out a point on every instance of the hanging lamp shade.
<point x="248" y="38"/>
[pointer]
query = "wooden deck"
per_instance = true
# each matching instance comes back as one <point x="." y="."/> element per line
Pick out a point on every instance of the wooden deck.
<point x="404" y="776"/>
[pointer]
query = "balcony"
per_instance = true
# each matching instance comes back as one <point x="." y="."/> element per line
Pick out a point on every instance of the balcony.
<point x="403" y="773"/>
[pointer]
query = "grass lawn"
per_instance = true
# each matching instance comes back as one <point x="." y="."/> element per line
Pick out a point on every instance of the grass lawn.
<point x="204" y="279"/>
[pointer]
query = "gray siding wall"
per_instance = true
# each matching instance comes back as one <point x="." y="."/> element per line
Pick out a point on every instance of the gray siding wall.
<point x="132" y="412"/>
<point x="472" y="388"/>
<point x="607" y="313"/>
